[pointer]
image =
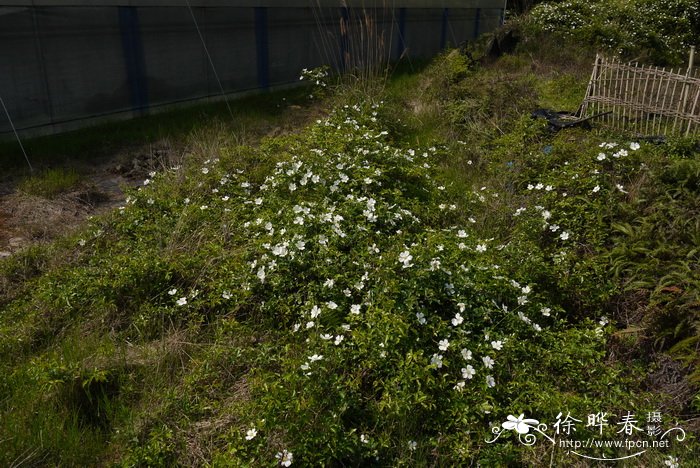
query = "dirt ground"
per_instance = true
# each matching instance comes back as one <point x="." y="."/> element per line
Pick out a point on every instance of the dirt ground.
<point x="26" y="219"/>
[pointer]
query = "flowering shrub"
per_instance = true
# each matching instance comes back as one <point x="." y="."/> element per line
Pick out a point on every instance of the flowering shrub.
<point x="660" y="30"/>
<point x="390" y="312"/>
<point x="318" y="78"/>
<point x="340" y="297"/>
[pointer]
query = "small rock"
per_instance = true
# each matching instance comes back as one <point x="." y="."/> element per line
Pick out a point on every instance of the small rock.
<point x="16" y="242"/>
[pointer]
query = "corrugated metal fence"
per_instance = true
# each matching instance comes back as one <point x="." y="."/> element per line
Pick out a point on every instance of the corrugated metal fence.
<point x="67" y="64"/>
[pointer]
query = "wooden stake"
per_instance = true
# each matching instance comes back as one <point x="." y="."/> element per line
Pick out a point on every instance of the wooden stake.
<point x="686" y="88"/>
<point x="692" y="112"/>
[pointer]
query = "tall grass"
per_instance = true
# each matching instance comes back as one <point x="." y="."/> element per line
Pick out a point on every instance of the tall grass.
<point x="360" y="46"/>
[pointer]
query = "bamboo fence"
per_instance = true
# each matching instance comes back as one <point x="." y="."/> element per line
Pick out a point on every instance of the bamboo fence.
<point x="644" y="100"/>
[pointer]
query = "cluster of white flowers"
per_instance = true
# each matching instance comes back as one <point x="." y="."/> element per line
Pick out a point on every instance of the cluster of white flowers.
<point x="320" y="203"/>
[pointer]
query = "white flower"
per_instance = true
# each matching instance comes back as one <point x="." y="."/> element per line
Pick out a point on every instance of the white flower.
<point x="603" y="321"/>
<point x="596" y="188"/>
<point x="434" y="264"/>
<point x="634" y="146"/>
<point x="280" y="250"/>
<point x="285" y="457"/>
<point x="310" y="324"/>
<point x="182" y="301"/>
<point x="468" y="372"/>
<point x="520" y="424"/>
<point x="326" y="336"/>
<point x="443" y="345"/>
<point x="539" y="186"/>
<point x="671" y="461"/>
<point x="316" y="357"/>
<point x="364" y="439"/>
<point x="436" y="360"/>
<point x="421" y="318"/>
<point x="338" y="339"/>
<point x="332" y="305"/>
<point x="481" y="248"/>
<point x="315" y="312"/>
<point x="261" y="274"/>
<point x="466" y="354"/>
<point x="490" y="381"/>
<point x="497" y="345"/>
<point x="329" y="283"/>
<point x="226" y="295"/>
<point x="548" y="188"/>
<point x="601" y="156"/>
<point x="412" y="444"/>
<point x="457" y="320"/>
<point x="301" y="245"/>
<point x="564" y="235"/>
<point x="554" y="227"/>
<point x="172" y="292"/>
<point x="620" y="188"/>
<point x="355" y="309"/>
<point x="546" y="311"/>
<point x="251" y="433"/>
<point x="292" y="187"/>
<point x="461" y="234"/>
<point x="405" y="257"/>
<point x="205" y="170"/>
<point x="522" y="300"/>
<point x="488" y="362"/>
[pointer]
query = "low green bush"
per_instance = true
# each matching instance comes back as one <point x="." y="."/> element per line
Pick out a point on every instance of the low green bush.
<point x="660" y="32"/>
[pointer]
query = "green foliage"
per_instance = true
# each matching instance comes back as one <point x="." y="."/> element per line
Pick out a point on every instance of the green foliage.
<point x="345" y="296"/>
<point x="50" y="183"/>
<point x="647" y="30"/>
<point x="656" y="250"/>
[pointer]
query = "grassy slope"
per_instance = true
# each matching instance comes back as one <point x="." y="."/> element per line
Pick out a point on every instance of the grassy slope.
<point x="101" y="365"/>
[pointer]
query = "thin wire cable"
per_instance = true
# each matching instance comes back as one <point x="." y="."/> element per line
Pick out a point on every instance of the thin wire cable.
<point x="211" y="62"/>
<point x="7" y="113"/>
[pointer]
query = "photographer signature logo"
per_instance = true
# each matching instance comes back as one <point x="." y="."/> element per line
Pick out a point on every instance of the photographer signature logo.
<point x="631" y="433"/>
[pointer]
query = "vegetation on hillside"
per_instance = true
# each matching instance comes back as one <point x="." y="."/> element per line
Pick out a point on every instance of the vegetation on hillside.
<point x="382" y="287"/>
<point x="656" y="31"/>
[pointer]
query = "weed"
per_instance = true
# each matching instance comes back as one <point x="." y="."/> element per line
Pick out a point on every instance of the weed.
<point x="50" y="183"/>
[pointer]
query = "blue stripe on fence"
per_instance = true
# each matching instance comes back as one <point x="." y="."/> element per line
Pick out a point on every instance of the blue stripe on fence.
<point x="344" y="40"/>
<point x="132" y="48"/>
<point x="477" y="21"/>
<point x="401" y="46"/>
<point x="263" y="47"/>
<point x="445" y="26"/>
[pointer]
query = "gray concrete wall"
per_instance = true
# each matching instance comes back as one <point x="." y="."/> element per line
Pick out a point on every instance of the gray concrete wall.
<point x="71" y="63"/>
